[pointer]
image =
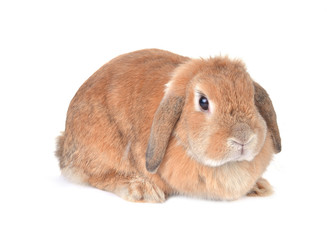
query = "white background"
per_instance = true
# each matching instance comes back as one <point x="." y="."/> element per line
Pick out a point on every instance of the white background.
<point x="49" y="48"/>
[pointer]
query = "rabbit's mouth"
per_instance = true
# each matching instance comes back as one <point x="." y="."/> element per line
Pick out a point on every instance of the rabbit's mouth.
<point x="235" y="152"/>
<point x="243" y="155"/>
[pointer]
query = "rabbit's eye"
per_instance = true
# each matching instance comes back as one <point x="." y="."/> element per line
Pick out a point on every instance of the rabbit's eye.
<point x="204" y="103"/>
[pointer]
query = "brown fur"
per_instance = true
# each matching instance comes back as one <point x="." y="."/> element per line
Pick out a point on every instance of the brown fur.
<point x="129" y="134"/>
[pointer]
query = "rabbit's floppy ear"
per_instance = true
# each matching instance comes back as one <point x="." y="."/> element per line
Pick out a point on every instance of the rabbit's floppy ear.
<point x="266" y="109"/>
<point x="168" y="113"/>
<point x="163" y="124"/>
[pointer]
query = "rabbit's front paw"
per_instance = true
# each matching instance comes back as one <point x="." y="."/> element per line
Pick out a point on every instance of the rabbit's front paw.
<point x="141" y="190"/>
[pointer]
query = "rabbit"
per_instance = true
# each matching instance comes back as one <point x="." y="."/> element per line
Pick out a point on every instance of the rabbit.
<point x="151" y="124"/>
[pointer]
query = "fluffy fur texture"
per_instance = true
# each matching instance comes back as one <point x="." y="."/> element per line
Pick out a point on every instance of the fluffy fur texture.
<point x="135" y="128"/>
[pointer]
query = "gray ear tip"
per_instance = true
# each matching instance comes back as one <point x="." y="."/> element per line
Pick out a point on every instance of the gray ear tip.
<point x="277" y="143"/>
<point x="278" y="148"/>
<point x="149" y="163"/>
<point x="150" y="167"/>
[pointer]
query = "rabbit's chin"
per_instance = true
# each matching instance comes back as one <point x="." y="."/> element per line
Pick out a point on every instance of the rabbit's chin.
<point x="233" y="157"/>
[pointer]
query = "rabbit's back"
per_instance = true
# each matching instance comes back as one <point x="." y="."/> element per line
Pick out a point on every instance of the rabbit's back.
<point x="109" y="119"/>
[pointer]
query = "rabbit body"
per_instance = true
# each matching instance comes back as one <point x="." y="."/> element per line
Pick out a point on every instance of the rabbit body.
<point x="128" y="130"/>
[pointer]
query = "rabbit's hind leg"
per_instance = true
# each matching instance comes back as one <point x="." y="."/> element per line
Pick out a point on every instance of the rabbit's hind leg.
<point x="261" y="188"/>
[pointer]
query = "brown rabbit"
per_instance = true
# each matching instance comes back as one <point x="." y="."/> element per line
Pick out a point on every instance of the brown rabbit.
<point x="150" y="124"/>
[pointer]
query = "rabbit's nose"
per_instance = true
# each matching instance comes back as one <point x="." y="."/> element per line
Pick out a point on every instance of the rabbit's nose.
<point x="241" y="134"/>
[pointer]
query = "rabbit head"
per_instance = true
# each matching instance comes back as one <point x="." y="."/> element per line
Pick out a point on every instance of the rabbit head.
<point x="216" y="112"/>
